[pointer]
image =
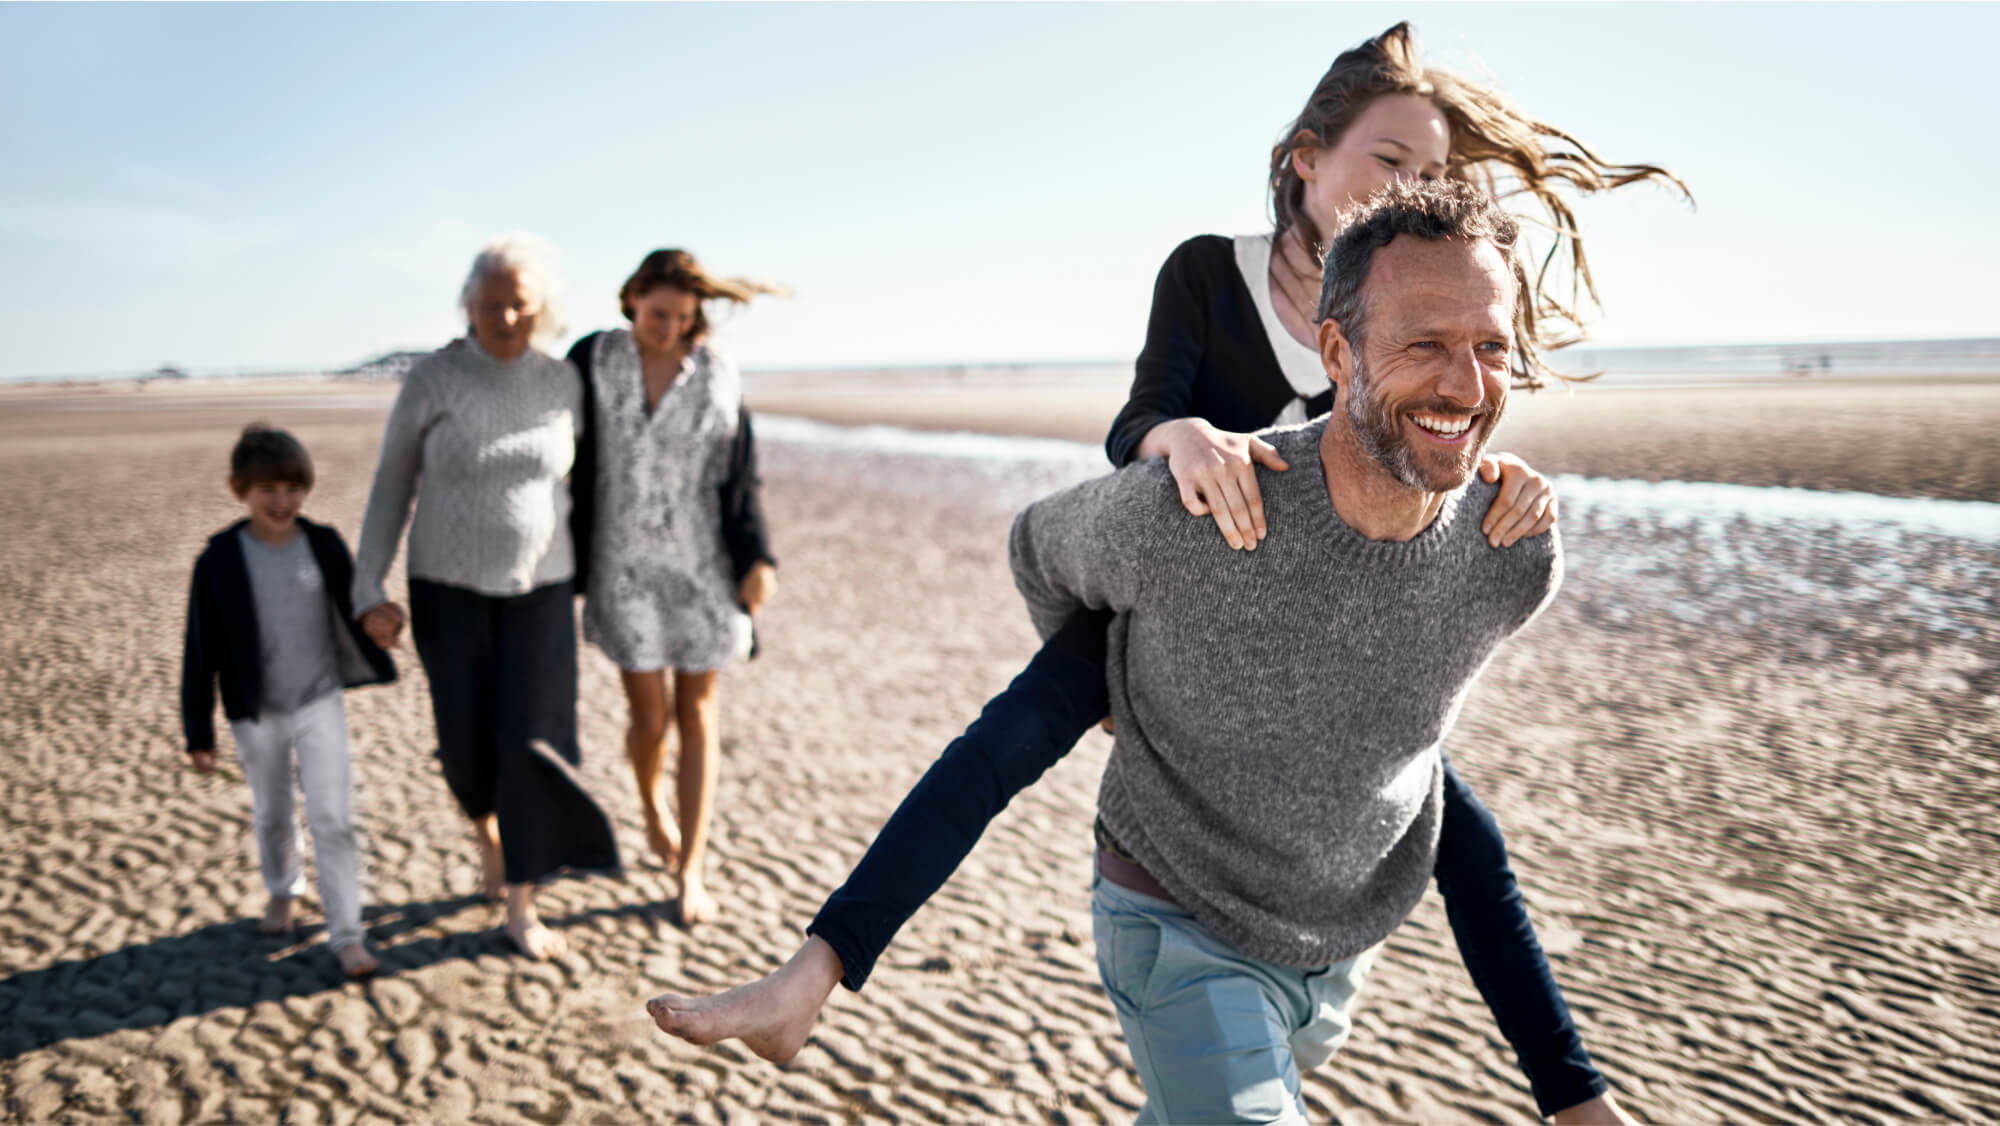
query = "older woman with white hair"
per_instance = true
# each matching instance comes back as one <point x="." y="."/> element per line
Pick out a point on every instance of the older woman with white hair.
<point x="482" y="438"/>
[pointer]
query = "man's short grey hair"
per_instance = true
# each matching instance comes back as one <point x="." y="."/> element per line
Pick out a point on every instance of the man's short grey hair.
<point x="1425" y="209"/>
<point x="533" y="261"/>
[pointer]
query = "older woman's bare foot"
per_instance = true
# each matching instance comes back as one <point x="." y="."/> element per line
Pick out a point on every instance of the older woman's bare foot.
<point x="355" y="960"/>
<point x="492" y="862"/>
<point x="772" y="1015"/>
<point x="530" y="937"/>
<point x="525" y="928"/>
<point x="696" y="905"/>
<point x="277" y="916"/>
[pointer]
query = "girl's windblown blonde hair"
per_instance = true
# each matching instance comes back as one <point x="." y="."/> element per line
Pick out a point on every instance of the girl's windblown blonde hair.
<point x="1494" y="146"/>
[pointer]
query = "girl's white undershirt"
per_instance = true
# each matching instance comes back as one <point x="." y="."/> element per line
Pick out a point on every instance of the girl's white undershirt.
<point x="1300" y="364"/>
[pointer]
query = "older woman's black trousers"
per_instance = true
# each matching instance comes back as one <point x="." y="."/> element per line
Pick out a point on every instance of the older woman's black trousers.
<point x="502" y="674"/>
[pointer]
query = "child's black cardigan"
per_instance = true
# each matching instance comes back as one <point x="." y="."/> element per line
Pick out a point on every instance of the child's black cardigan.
<point x="222" y="643"/>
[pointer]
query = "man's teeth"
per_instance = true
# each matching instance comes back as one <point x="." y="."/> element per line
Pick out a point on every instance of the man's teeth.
<point x="1442" y="427"/>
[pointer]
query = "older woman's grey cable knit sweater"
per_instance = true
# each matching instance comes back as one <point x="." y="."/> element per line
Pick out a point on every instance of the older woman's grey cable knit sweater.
<point x="484" y="447"/>
<point x="1280" y="711"/>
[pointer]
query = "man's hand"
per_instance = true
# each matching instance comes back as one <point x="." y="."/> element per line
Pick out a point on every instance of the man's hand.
<point x="1600" y="1111"/>
<point x="202" y="761"/>
<point x="1216" y="472"/>
<point x="1526" y="505"/>
<point x="383" y="624"/>
<point x="757" y="587"/>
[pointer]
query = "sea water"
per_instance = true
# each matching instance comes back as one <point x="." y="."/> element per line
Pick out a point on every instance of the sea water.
<point x="1795" y="562"/>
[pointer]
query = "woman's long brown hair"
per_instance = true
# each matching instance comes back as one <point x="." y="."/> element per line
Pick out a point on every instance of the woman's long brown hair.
<point x="677" y="269"/>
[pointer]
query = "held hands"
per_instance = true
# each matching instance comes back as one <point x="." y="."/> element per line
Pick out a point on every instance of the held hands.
<point x="202" y="761"/>
<point x="757" y="588"/>
<point x="383" y="624"/>
<point x="1526" y="505"/>
<point x="1217" y="475"/>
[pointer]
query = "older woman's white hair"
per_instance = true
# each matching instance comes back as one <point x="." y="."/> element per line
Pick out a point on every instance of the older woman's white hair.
<point x="533" y="260"/>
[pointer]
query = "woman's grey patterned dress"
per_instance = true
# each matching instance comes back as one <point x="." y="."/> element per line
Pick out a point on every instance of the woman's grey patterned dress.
<point x="662" y="593"/>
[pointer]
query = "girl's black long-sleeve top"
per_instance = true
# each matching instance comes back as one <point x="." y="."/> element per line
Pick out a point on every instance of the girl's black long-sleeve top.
<point x="1206" y="355"/>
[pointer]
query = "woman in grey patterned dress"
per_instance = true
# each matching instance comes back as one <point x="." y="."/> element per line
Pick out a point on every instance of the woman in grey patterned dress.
<point x="677" y="560"/>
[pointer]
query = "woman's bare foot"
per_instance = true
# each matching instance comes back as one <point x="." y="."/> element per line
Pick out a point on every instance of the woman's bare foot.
<point x="772" y="1015"/>
<point x="525" y="928"/>
<point x="355" y="960"/>
<point x="492" y="862"/>
<point x="661" y="834"/>
<point x="696" y="905"/>
<point x="277" y="916"/>
<point x="530" y="937"/>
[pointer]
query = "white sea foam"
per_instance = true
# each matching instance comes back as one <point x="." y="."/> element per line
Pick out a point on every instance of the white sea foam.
<point x="1696" y="503"/>
<point x="954" y="444"/>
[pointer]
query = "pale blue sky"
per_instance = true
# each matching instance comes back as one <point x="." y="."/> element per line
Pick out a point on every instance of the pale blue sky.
<point x="249" y="186"/>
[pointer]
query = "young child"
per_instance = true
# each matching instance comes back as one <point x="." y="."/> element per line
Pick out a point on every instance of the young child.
<point x="268" y="617"/>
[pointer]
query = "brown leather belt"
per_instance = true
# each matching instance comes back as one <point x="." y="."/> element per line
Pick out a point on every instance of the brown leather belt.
<point x="1129" y="875"/>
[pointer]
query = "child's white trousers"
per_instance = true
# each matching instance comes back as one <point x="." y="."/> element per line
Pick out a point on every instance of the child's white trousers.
<point x="315" y="738"/>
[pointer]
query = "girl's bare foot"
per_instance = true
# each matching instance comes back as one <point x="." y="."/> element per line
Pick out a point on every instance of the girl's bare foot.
<point x="277" y="916"/>
<point x="696" y="905"/>
<point x="525" y="928"/>
<point x="772" y="1015"/>
<point x="492" y="863"/>
<point x="355" y="960"/>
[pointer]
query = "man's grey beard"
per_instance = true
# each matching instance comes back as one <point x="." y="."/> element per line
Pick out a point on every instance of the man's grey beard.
<point x="1380" y="432"/>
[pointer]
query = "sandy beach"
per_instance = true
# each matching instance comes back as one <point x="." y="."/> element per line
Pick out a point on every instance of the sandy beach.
<point x="1746" y="765"/>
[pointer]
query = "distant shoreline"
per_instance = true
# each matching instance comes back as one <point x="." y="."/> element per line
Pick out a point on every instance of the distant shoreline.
<point x="1938" y="356"/>
<point x="1901" y="435"/>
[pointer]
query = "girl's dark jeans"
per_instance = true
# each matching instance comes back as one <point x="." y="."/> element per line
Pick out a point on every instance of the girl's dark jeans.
<point x="1027" y="728"/>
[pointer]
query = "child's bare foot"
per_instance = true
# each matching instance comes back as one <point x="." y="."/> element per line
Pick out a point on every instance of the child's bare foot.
<point x="277" y="916"/>
<point x="525" y="928"/>
<point x="696" y="905"/>
<point x="355" y="960"/>
<point x="492" y="864"/>
<point x="772" y="1015"/>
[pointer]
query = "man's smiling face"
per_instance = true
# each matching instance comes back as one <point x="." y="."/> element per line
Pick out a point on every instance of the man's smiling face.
<point x="1428" y="382"/>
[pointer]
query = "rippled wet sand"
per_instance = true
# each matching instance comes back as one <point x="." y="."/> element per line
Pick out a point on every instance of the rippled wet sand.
<point x="1746" y="764"/>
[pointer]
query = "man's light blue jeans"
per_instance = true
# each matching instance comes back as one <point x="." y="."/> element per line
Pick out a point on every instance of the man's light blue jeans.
<point x="1216" y="1036"/>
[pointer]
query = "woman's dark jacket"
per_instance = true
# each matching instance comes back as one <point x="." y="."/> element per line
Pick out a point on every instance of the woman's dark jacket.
<point x="740" y="494"/>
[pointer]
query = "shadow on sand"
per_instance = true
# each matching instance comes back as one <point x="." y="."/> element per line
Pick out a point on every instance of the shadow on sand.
<point x="225" y="965"/>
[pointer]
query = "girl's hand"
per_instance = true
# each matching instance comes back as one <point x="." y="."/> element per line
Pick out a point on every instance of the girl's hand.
<point x="1526" y="505"/>
<point x="757" y="587"/>
<point x="383" y="624"/>
<point x="1216" y="472"/>
<point x="203" y="761"/>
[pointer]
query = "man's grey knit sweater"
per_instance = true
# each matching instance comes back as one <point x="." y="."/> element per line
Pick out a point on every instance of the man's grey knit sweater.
<point x="1280" y="711"/>
<point x="484" y="447"/>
